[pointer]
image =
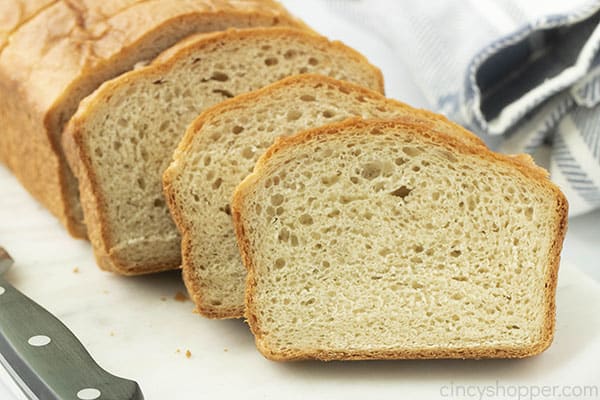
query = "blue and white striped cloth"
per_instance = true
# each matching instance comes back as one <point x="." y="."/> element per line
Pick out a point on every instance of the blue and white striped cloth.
<point x="522" y="74"/>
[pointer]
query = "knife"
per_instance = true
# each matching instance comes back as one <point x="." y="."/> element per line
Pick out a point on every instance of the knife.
<point x="44" y="358"/>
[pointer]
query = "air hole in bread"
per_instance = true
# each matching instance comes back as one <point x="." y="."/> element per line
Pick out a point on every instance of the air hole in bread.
<point x="305" y="219"/>
<point x="277" y="199"/>
<point x="293" y="115"/>
<point x="237" y="129"/>
<point x="271" y="61"/>
<point x="313" y="61"/>
<point x="225" y="209"/>
<point x="290" y="54"/>
<point x="283" y="235"/>
<point x="399" y="161"/>
<point x="330" y="180"/>
<point x="401" y="192"/>
<point x="328" y="114"/>
<point x="448" y="156"/>
<point x="224" y="93"/>
<point x="371" y="170"/>
<point x="217" y="183"/>
<point x="416" y="285"/>
<point x="165" y="125"/>
<point x="455" y="253"/>
<point x="333" y="213"/>
<point x="220" y="77"/>
<point x="307" y="97"/>
<point x="294" y="240"/>
<point x="411" y="151"/>
<point x="248" y="152"/>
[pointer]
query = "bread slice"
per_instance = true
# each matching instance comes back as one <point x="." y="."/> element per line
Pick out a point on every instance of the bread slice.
<point x="232" y="136"/>
<point x="54" y="53"/>
<point x="123" y="136"/>
<point x="374" y="239"/>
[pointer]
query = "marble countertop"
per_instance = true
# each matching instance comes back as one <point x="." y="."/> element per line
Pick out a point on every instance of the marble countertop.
<point x="137" y="329"/>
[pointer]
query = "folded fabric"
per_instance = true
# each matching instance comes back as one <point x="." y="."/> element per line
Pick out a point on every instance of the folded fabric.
<point x="520" y="74"/>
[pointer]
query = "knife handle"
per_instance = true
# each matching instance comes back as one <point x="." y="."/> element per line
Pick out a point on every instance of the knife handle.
<point x="48" y="358"/>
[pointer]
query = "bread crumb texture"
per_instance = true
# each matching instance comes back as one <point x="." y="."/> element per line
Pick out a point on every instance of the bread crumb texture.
<point x="374" y="240"/>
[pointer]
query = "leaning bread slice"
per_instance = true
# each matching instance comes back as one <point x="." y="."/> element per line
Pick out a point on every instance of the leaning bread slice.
<point x="220" y="149"/>
<point x="391" y="241"/>
<point x="122" y="138"/>
<point x="54" y="53"/>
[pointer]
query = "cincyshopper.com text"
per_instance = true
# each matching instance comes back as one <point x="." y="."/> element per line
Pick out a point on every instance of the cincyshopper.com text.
<point x="519" y="392"/>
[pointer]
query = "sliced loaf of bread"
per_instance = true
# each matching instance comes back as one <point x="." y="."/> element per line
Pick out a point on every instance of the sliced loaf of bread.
<point x="54" y="53"/>
<point x="393" y="241"/>
<point x="221" y="147"/>
<point x="123" y="136"/>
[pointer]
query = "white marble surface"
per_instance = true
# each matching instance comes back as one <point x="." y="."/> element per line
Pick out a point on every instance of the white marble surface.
<point x="134" y="327"/>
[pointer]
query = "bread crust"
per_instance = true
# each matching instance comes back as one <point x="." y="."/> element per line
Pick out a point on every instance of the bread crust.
<point x="93" y="201"/>
<point x="193" y="284"/>
<point x="533" y="173"/>
<point x="92" y="42"/>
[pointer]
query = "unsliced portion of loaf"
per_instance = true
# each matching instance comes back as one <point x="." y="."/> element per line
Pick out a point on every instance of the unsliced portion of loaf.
<point x="392" y="241"/>
<point x="220" y="149"/>
<point x="123" y="136"/>
<point x="16" y="13"/>
<point x="54" y="53"/>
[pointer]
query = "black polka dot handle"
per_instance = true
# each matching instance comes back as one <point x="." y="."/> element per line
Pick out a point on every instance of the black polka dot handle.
<point x="45" y="358"/>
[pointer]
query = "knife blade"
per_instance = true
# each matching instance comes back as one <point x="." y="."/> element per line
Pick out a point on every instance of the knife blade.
<point x="46" y="360"/>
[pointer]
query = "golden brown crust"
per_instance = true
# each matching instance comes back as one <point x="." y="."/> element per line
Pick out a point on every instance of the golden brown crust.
<point x="16" y="13"/>
<point x="535" y="174"/>
<point x="92" y="199"/>
<point x="92" y="41"/>
<point x="177" y="212"/>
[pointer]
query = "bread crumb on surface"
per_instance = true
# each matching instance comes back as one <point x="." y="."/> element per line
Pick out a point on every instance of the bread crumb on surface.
<point x="195" y="310"/>
<point x="105" y="291"/>
<point x="163" y="298"/>
<point x="177" y="351"/>
<point x="112" y="333"/>
<point x="179" y="296"/>
<point x="188" y="354"/>
<point x="225" y="350"/>
<point x="76" y="270"/>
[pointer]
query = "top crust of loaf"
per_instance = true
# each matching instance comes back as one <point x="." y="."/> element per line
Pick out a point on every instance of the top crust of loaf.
<point x="534" y="174"/>
<point x="13" y="15"/>
<point x="85" y="34"/>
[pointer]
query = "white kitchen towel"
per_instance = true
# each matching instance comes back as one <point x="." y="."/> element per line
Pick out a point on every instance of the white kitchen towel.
<point x="521" y="74"/>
